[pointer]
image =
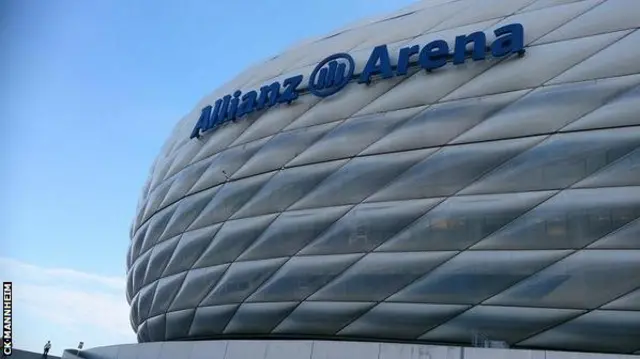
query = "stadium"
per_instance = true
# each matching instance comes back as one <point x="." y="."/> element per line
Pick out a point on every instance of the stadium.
<point x="454" y="175"/>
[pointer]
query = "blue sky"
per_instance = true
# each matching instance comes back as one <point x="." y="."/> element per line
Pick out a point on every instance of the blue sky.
<point x="89" y="92"/>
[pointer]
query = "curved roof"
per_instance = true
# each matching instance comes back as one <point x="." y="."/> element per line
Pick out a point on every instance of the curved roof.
<point x="495" y="199"/>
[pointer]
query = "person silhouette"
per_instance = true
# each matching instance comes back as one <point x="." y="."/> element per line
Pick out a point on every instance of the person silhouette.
<point x="46" y="349"/>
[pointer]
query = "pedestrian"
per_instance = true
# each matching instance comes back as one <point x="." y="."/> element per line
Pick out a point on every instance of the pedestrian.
<point x="46" y="349"/>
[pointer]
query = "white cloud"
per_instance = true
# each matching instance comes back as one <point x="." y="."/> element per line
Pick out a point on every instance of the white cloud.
<point x="37" y="273"/>
<point x="66" y="306"/>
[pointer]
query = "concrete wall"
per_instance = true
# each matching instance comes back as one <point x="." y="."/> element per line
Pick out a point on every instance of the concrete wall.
<point x="241" y="349"/>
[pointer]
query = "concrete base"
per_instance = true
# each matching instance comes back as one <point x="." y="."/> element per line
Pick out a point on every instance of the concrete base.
<point x="282" y="349"/>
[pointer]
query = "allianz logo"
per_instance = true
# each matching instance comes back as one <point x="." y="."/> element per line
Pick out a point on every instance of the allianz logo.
<point x="336" y="71"/>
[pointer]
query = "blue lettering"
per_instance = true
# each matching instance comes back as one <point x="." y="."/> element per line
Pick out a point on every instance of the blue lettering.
<point x="216" y="118"/>
<point x="331" y="76"/>
<point x="336" y="71"/>
<point x="380" y="55"/>
<point x="248" y="104"/>
<point x="233" y="107"/>
<point x="203" y="122"/>
<point x="223" y="115"/>
<point x="290" y="92"/>
<point x="479" y="40"/>
<point x="434" y="55"/>
<point x="268" y="96"/>
<point x="404" y="57"/>
<point x="510" y="39"/>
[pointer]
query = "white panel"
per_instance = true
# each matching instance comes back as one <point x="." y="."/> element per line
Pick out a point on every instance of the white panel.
<point x="301" y="276"/>
<point x="368" y="225"/>
<point x="281" y="148"/>
<point x="440" y="123"/>
<point x="541" y="4"/>
<point x="620" y="111"/>
<point x="451" y="169"/>
<point x="221" y="138"/>
<point x="473" y="276"/>
<point x="155" y="199"/>
<point x="229" y="198"/>
<point x="275" y="119"/>
<point x="517" y="73"/>
<point x="291" y="231"/>
<point x="553" y="18"/>
<point x="226" y="163"/>
<point x="548" y="109"/>
<point x="352" y="98"/>
<point x="184" y="182"/>
<point x="232" y="239"/>
<point x="358" y="179"/>
<point x="330" y="45"/>
<point x="378" y="275"/>
<point x="561" y="161"/>
<point x="609" y="16"/>
<point x="459" y="222"/>
<point x="183" y="157"/>
<point x="618" y="59"/>
<point x="571" y="219"/>
<point x="242" y="279"/>
<point x="287" y="187"/>
<point x="352" y="136"/>
<point x="408" y="26"/>
<point x="480" y="10"/>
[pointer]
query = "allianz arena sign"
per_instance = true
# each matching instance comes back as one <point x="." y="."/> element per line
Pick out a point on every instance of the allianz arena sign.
<point x="336" y="71"/>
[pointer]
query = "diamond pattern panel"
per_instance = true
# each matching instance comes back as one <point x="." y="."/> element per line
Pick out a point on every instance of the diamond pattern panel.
<point x="400" y="320"/>
<point x="511" y="324"/>
<point x="617" y="331"/>
<point x="495" y="199"/>
<point x="378" y="275"/>
<point x="582" y="280"/>
<point x="473" y="276"/>
<point x="303" y="276"/>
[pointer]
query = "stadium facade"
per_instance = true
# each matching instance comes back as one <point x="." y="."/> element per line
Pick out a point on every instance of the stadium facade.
<point x="460" y="173"/>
